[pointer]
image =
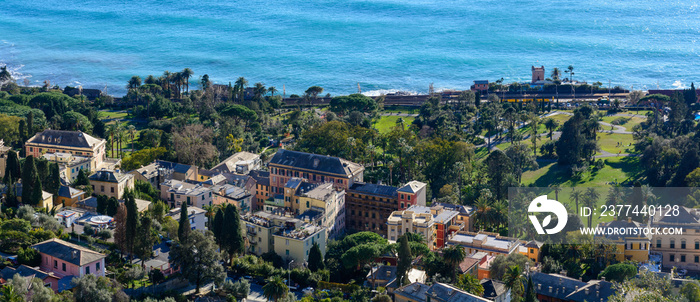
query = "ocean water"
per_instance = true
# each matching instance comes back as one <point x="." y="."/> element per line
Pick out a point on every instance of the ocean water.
<point x="382" y="45"/>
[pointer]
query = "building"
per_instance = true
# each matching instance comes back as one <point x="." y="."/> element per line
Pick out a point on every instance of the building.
<point x="556" y="287"/>
<point x="679" y="250"/>
<point x="198" y="218"/>
<point x="48" y="279"/>
<point x="65" y="259"/>
<point x="481" y="86"/>
<point x="176" y="192"/>
<point x="111" y="183"/>
<point x="230" y="194"/>
<point x="490" y="243"/>
<point x="46" y="201"/>
<point x="314" y="168"/>
<point x="69" y="165"/>
<point x="630" y="246"/>
<point x="67" y="218"/>
<point x="240" y="163"/>
<point x="495" y="290"/>
<point x="465" y="215"/>
<point x="76" y="143"/>
<point x="369" y="205"/>
<point x="385" y="276"/>
<point x="531" y="250"/>
<point x="434" y="223"/>
<point x="327" y="205"/>
<point x="469" y="265"/>
<point x="289" y="237"/>
<point x="3" y="157"/>
<point x="537" y="74"/>
<point x="68" y="196"/>
<point x="263" y="190"/>
<point x="439" y="292"/>
<point x="411" y="194"/>
<point x="159" y="171"/>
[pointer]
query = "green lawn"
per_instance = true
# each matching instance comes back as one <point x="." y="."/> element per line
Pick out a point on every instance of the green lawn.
<point x="609" y="142"/>
<point x="386" y="123"/>
<point x="616" y="169"/>
<point x="628" y="125"/>
<point x="400" y="109"/>
<point x="103" y="114"/>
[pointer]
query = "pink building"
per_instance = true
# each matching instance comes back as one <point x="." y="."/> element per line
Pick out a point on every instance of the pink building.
<point x="65" y="259"/>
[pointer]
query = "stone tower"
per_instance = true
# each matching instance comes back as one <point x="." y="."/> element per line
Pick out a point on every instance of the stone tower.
<point x="537" y="74"/>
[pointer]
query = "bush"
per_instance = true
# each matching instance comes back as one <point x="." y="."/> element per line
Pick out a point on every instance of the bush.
<point x="88" y="230"/>
<point x="104" y="234"/>
<point x="620" y="120"/>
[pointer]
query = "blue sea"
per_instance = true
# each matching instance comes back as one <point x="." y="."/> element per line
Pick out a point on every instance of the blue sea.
<point x="384" y="45"/>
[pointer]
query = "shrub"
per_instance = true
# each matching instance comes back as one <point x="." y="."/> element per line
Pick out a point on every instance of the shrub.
<point x="29" y="257"/>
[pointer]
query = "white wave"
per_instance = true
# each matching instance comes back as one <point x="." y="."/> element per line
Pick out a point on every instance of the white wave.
<point x="678" y="85"/>
<point x="379" y="92"/>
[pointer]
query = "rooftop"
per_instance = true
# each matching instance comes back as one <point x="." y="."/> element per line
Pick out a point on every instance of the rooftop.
<point x="69" y="192"/>
<point x="486" y="241"/>
<point x="261" y="177"/>
<point x="109" y="176"/>
<point x="175" y="213"/>
<point x="65" y="138"/>
<point x="374" y="189"/>
<point x="229" y="165"/>
<point x="449" y="293"/>
<point x="412" y="187"/>
<point x="315" y="162"/>
<point x="321" y="192"/>
<point x="68" y="252"/>
<point x="184" y="188"/>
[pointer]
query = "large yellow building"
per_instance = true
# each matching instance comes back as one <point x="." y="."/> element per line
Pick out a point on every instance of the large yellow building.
<point x="630" y="246"/>
<point x="679" y="250"/>
<point x="75" y="143"/>
<point x="111" y="183"/>
<point x="288" y="237"/>
<point x="325" y="205"/>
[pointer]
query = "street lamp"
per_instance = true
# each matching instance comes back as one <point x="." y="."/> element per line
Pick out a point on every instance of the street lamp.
<point x="289" y="273"/>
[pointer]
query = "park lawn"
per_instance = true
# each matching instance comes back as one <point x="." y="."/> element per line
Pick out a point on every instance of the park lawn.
<point x="560" y="118"/>
<point x="400" y="109"/>
<point x="480" y="153"/>
<point x="527" y="142"/>
<point x="104" y="114"/>
<point x="386" y="123"/>
<point x="634" y="121"/>
<point x="609" y="142"/>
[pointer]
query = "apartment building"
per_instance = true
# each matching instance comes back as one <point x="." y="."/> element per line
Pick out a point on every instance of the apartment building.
<point x="69" y="165"/>
<point x="466" y="213"/>
<point x="289" y="237"/>
<point x="490" y="243"/>
<point x="3" y="157"/>
<point x="65" y="259"/>
<point x="679" y="250"/>
<point x="241" y="163"/>
<point x="325" y="205"/>
<point x="230" y="194"/>
<point x="111" y="183"/>
<point x="197" y="216"/>
<point x="370" y="205"/>
<point x="159" y="171"/>
<point x="630" y="246"/>
<point x="263" y="190"/>
<point x="437" y="292"/>
<point x="176" y="192"/>
<point x="434" y="223"/>
<point x="314" y="168"/>
<point x="76" y="143"/>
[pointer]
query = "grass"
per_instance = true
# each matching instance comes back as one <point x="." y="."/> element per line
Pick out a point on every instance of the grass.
<point x="609" y="142"/>
<point x="103" y="114"/>
<point x="386" y="123"/>
<point x="400" y="109"/>
<point x="628" y="125"/>
<point x="616" y="169"/>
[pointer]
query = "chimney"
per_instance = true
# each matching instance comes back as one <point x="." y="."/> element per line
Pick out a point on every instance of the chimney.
<point x="75" y="254"/>
<point x="629" y="219"/>
<point x="576" y="288"/>
<point x="597" y="294"/>
<point x="388" y="273"/>
<point x="539" y="286"/>
<point x="550" y="289"/>
<point x="602" y="278"/>
<point x="588" y="291"/>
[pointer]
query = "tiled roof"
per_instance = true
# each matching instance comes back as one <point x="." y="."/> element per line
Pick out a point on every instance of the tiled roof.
<point x="493" y="288"/>
<point x="416" y="291"/>
<point x="24" y="271"/>
<point x="565" y="288"/>
<point x="261" y="177"/>
<point x="449" y="293"/>
<point x="109" y="176"/>
<point x="65" y="138"/>
<point x="412" y="187"/>
<point x="69" y="192"/>
<point x="68" y="252"/>
<point x="315" y="162"/>
<point x="229" y="164"/>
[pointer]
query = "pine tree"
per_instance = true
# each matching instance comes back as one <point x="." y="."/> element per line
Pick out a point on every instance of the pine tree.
<point x="132" y="220"/>
<point x="218" y="226"/>
<point x="82" y="179"/>
<point x="315" y="258"/>
<point x="145" y="240"/>
<point x="405" y="260"/>
<point x="184" y="227"/>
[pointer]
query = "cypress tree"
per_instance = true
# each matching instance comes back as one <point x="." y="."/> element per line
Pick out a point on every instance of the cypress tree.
<point x="101" y="204"/>
<point x="36" y="194"/>
<point x="112" y="206"/>
<point x="405" y="260"/>
<point x="54" y="179"/>
<point x="233" y="242"/>
<point x="315" y="258"/>
<point x="22" y="131"/>
<point x="82" y="179"/>
<point x="184" y="227"/>
<point x="132" y="221"/>
<point x="42" y="168"/>
<point x="30" y="124"/>
<point x="530" y="295"/>
<point x="218" y="226"/>
<point x="12" y="169"/>
<point x="29" y="176"/>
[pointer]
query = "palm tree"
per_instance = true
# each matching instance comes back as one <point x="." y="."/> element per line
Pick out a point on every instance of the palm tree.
<point x="186" y="74"/>
<point x="570" y="71"/>
<point x="166" y="79"/>
<point x="134" y="83"/>
<point x="259" y="90"/>
<point x="454" y="255"/>
<point x="275" y="289"/>
<point x="239" y="88"/>
<point x="111" y="131"/>
<point x="534" y="125"/>
<point x="513" y="279"/>
<point x="556" y="74"/>
<point x="576" y="195"/>
<point x="272" y="90"/>
<point x="176" y="79"/>
<point x="551" y="125"/>
<point x="132" y="133"/>
<point x="556" y="188"/>
<point x="591" y="199"/>
<point x="9" y="294"/>
<point x="390" y="165"/>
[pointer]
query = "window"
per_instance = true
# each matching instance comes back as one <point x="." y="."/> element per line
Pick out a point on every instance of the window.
<point x="286" y="242"/>
<point x="682" y="244"/>
<point x="682" y="258"/>
<point x="409" y="197"/>
<point x="55" y="264"/>
<point x="102" y="188"/>
<point x="697" y="245"/>
<point x="87" y="270"/>
<point x="188" y="200"/>
<point x="673" y="243"/>
<point x="697" y="259"/>
<point x="672" y="258"/>
<point x="97" y="267"/>
<point x="658" y="243"/>
<point x="532" y="251"/>
<point x="63" y="266"/>
<point x="111" y="189"/>
<point x="287" y="252"/>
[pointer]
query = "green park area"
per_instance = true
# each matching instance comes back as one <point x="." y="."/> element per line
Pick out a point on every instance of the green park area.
<point x="387" y="122"/>
<point x="624" y="121"/>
